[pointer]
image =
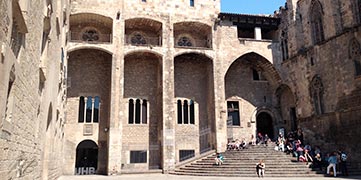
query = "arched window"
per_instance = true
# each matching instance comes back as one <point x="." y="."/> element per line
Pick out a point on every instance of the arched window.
<point x="138" y="111"/>
<point x="89" y="107"/>
<point x="96" y="109"/>
<point x="191" y="112"/>
<point x="179" y="111"/>
<point x="184" y="41"/>
<point x="354" y="54"/>
<point x="316" y="88"/>
<point x="185" y="112"/>
<point x="317" y="22"/>
<point x="81" y="109"/>
<point x="138" y="39"/>
<point x="131" y="111"/>
<point x="284" y="45"/>
<point x="90" y="35"/>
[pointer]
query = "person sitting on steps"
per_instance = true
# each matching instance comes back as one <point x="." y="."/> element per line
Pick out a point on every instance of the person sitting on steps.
<point x="219" y="159"/>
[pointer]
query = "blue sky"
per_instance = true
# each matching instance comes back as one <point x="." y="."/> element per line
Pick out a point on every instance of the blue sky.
<point x="251" y="6"/>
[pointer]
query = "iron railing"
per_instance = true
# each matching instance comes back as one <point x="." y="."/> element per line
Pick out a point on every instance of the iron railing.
<point x="89" y="38"/>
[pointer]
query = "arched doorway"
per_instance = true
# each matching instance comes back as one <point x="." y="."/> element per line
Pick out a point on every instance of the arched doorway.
<point x="86" y="158"/>
<point x="265" y="124"/>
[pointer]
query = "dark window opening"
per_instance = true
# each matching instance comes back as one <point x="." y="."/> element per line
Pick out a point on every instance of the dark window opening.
<point x="144" y="112"/>
<point x="81" y="110"/>
<point x="96" y="109"/>
<point x="138" y="156"/>
<point x="185" y="154"/>
<point x="191" y="3"/>
<point x="244" y="32"/>
<point x="179" y="111"/>
<point x="255" y="75"/>
<point x="137" y="111"/>
<point x="233" y="112"/>
<point x="191" y="112"/>
<point x="185" y="112"/>
<point x="131" y="111"/>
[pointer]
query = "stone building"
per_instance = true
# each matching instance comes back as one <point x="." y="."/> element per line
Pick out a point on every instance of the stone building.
<point x="113" y="87"/>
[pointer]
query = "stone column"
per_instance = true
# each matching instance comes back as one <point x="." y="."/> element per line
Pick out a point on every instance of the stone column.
<point x="168" y="139"/>
<point x="219" y="94"/>
<point x="257" y="33"/>
<point x="117" y="91"/>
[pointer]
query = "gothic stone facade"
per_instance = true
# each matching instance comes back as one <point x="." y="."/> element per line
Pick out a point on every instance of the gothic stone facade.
<point x="117" y="86"/>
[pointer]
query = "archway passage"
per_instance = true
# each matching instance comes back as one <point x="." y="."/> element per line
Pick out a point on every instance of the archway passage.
<point x="86" y="158"/>
<point x="265" y="124"/>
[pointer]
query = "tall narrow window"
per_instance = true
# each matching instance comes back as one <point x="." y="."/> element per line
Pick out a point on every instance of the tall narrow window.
<point x="144" y="112"/>
<point x="255" y="75"/>
<point x="191" y="3"/>
<point x="185" y="112"/>
<point x="137" y="111"/>
<point x="354" y="54"/>
<point x="10" y="95"/>
<point x="317" y="22"/>
<point x="233" y="112"/>
<point x="179" y="111"/>
<point x="359" y="10"/>
<point x="284" y="45"/>
<point x="81" y="109"/>
<point x="131" y="111"/>
<point x="96" y="109"/>
<point x="191" y="112"/>
<point x="89" y="104"/>
<point x="316" y="88"/>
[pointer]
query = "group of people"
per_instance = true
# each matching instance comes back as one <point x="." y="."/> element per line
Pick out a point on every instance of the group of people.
<point x="293" y="144"/>
<point x="237" y="144"/>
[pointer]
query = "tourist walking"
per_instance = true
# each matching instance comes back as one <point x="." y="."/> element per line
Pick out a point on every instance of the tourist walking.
<point x="332" y="160"/>
<point x="260" y="168"/>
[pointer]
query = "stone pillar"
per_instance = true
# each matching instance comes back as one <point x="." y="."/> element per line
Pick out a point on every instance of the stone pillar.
<point x="117" y="91"/>
<point x="219" y="94"/>
<point x="257" y="33"/>
<point x="168" y="139"/>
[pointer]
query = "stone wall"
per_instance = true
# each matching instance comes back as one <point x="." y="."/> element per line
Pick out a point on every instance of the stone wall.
<point x="330" y="60"/>
<point x="32" y="112"/>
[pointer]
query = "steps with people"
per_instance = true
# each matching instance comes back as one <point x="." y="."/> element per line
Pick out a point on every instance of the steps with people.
<point x="242" y="163"/>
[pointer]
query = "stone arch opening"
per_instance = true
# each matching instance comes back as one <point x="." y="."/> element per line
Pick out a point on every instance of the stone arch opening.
<point x="91" y="28"/>
<point x="287" y="104"/>
<point x="245" y="93"/>
<point x="143" y="94"/>
<point x="264" y="123"/>
<point x="193" y="81"/>
<point x="192" y="34"/>
<point x="86" y="161"/>
<point x="143" y="31"/>
<point x="89" y="82"/>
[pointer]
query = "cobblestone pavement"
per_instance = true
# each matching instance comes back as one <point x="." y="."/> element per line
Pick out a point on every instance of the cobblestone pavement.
<point x="173" y="177"/>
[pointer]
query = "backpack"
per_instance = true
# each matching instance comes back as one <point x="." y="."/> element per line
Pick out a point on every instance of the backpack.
<point x="343" y="157"/>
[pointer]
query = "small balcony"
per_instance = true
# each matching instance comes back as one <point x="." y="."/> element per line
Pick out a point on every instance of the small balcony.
<point x="91" y="37"/>
<point x="140" y="40"/>
<point x="191" y="43"/>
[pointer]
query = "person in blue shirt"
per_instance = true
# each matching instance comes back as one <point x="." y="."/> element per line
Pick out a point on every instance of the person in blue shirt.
<point x="332" y="160"/>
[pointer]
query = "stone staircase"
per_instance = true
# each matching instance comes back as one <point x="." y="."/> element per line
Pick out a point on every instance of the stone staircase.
<point x="242" y="164"/>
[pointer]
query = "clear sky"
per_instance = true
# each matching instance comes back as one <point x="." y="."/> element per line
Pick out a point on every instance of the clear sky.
<point x="251" y="6"/>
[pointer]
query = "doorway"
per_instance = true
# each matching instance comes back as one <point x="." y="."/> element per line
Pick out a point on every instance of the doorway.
<point x="86" y="158"/>
<point x="265" y="124"/>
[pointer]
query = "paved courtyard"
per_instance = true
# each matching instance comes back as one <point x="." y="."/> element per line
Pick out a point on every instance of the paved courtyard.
<point x="173" y="177"/>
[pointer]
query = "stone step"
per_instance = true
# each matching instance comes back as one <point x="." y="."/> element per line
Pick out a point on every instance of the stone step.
<point x="246" y="175"/>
